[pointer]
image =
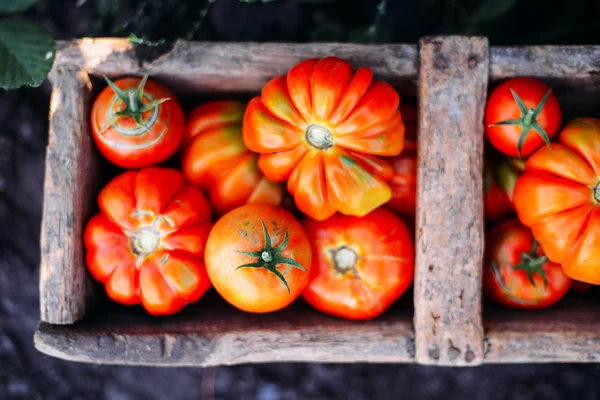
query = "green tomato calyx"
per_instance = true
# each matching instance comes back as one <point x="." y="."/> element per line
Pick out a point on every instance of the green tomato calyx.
<point x="532" y="264"/>
<point x="269" y="257"/>
<point x="528" y="120"/>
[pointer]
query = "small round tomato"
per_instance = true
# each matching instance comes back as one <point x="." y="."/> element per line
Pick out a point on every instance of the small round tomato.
<point x="361" y="265"/>
<point x="137" y="123"/>
<point x="324" y="128"/>
<point x="216" y="159"/>
<point x="500" y="173"/>
<point x="146" y="244"/>
<point x="258" y="258"/>
<point x="521" y="114"/>
<point x="517" y="273"/>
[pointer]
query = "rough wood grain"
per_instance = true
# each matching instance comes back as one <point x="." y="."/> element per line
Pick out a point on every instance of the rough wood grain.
<point x="70" y="188"/>
<point x="195" y="67"/>
<point x="449" y="244"/>
<point x="218" y="334"/>
<point x="567" y="332"/>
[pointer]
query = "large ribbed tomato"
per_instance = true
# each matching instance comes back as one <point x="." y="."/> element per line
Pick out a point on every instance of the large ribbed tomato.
<point x="517" y="273"/>
<point x="216" y="159"/>
<point x="137" y="123"/>
<point x="322" y="128"/>
<point x="147" y="243"/>
<point x="558" y="197"/>
<point x="361" y="265"/>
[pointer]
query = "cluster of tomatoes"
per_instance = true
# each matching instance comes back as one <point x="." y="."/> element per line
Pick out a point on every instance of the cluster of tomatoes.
<point x="549" y="177"/>
<point x="322" y="136"/>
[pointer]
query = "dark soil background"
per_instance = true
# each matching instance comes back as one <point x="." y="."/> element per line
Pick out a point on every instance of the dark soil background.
<point x="25" y="373"/>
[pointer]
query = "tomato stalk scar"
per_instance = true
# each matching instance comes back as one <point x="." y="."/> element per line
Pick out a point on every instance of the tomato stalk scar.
<point x="596" y="191"/>
<point x="345" y="259"/>
<point x="319" y="137"/>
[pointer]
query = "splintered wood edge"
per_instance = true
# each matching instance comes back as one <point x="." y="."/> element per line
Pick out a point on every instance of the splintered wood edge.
<point x="375" y="342"/>
<point x="65" y="287"/>
<point x="230" y="67"/>
<point x="449" y="246"/>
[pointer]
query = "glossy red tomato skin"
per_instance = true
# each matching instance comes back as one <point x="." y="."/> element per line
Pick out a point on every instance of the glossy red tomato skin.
<point x="496" y="204"/>
<point x="151" y="209"/>
<point x="361" y="265"/>
<point x="130" y="146"/>
<point x="501" y="106"/>
<point x="215" y="158"/>
<point x="504" y="283"/>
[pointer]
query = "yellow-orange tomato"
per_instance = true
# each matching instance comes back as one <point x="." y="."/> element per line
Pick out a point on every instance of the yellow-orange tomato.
<point x="258" y="258"/>
<point x="361" y="265"/>
<point x="322" y="129"/>
<point x="216" y="159"/>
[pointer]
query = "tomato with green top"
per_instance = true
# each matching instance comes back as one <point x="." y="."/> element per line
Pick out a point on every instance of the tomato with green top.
<point x="558" y="197"/>
<point x="323" y="129"/>
<point x="147" y="243"/>
<point x="215" y="158"/>
<point x="137" y="123"/>
<point x="258" y="258"/>
<point x="521" y="115"/>
<point x="517" y="273"/>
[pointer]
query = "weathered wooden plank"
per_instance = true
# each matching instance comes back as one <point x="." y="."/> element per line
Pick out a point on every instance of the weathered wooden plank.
<point x="566" y="332"/>
<point x="570" y="63"/>
<point x="194" y="67"/>
<point x="218" y="334"/>
<point x="449" y="243"/>
<point x="70" y="188"/>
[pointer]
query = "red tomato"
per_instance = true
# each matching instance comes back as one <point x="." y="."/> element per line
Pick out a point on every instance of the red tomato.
<point x="216" y="159"/>
<point x="404" y="184"/>
<point x="146" y="244"/>
<point x="258" y="258"/>
<point x="137" y="123"/>
<point x="361" y="265"/>
<point x="558" y="197"/>
<point x="323" y="129"/>
<point x="517" y="273"/>
<point x="500" y="174"/>
<point x="521" y="114"/>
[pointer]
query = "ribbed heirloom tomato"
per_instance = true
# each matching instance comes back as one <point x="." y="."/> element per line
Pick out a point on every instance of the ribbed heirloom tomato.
<point x="558" y="198"/>
<point x="361" y="265"/>
<point x="137" y="123"/>
<point x="258" y="258"/>
<point x="517" y="273"/>
<point x="146" y="244"/>
<point x="216" y="159"/>
<point x="321" y="129"/>
<point x="520" y="115"/>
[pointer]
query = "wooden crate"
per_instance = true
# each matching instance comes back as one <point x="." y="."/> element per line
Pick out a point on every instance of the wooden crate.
<point x="446" y="325"/>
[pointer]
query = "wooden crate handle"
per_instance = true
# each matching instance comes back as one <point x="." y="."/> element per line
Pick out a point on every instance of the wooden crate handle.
<point x="452" y="87"/>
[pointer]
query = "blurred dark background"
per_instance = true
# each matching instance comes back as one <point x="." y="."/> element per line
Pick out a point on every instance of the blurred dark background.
<point x="25" y="373"/>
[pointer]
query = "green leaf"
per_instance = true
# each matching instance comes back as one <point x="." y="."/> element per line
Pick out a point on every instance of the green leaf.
<point x="15" y="6"/>
<point x="490" y="10"/>
<point x="27" y="53"/>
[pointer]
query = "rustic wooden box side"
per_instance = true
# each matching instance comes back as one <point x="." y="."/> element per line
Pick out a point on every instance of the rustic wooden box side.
<point x="208" y="332"/>
<point x="569" y="331"/>
<point x="449" y="246"/>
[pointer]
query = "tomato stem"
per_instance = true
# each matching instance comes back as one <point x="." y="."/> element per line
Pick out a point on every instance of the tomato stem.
<point x="319" y="137"/>
<point x="344" y="260"/>
<point x="269" y="257"/>
<point x="597" y="192"/>
<point x="532" y="264"/>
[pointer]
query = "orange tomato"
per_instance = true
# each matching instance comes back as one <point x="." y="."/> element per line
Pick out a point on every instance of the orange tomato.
<point x="216" y="159"/>
<point x="558" y="198"/>
<point x="137" y="123"/>
<point x="517" y="273"/>
<point x="146" y="244"/>
<point x="361" y="265"/>
<point x="258" y="258"/>
<point x="322" y="129"/>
